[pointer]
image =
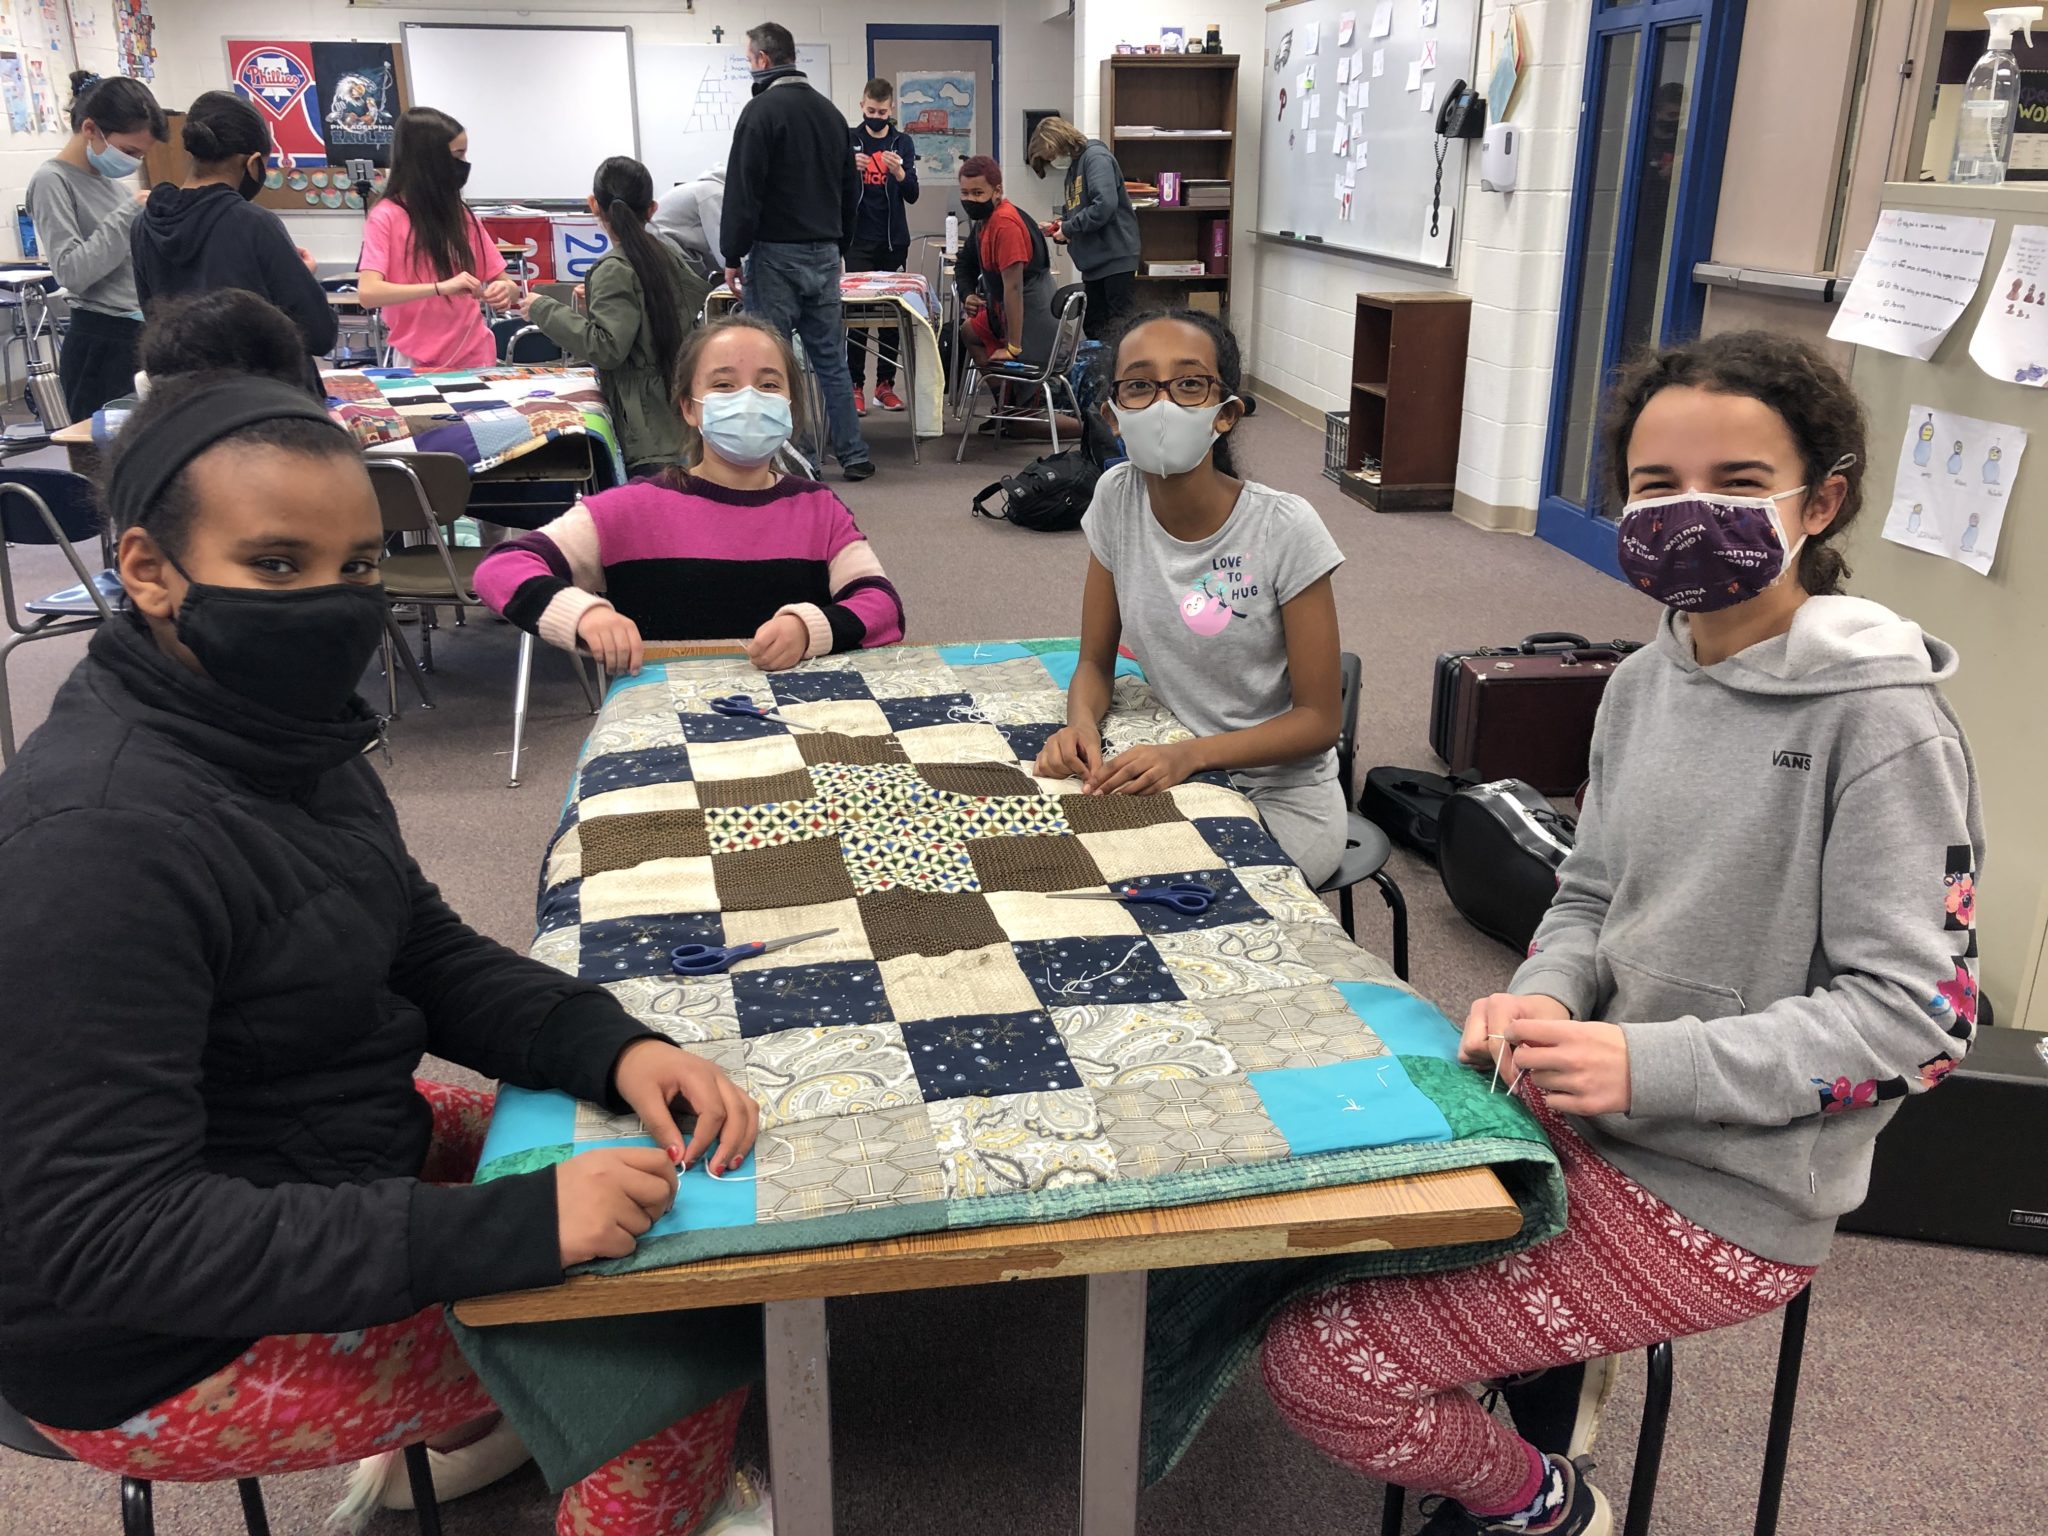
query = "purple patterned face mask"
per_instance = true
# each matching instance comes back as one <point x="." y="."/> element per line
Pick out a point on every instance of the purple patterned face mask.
<point x="1699" y="552"/>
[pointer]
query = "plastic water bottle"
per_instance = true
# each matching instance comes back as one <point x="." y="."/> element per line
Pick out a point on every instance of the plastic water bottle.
<point x="1991" y="101"/>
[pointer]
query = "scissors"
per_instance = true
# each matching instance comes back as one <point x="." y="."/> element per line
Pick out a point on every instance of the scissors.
<point x="710" y="959"/>
<point x="740" y="704"/>
<point x="1190" y="899"/>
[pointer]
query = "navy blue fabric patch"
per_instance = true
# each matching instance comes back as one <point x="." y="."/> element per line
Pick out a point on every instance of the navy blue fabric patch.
<point x="1027" y="741"/>
<point x="708" y="727"/>
<point x="1071" y="973"/>
<point x="988" y="1054"/>
<point x="932" y="709"/>
<point x="628" y="770"/>
<point x="1233" y="904"/>
<point x="614" y="948"/>
<point x="561" y="907"/>
<point x="820" y="996"/>
<point x="809" y="687"/>
<point x="1240" y="841"/>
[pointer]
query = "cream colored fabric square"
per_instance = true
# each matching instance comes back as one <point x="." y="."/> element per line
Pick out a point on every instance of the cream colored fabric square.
<point x="968" y="981"/>
<point x="956" y="744"/>
<point x="657" y="886"/>
<point x="1027" y="915"/>
<point x="755" y="757"/>
<point x="849" y="943"/>
<point x="565" y="859"/>
<point x="689" y="1010"/>
<point x="1172" y="848"/>
<point x="849" y="717"/>
<point x="641" y="797"/>
<point x="1210" y="800"/>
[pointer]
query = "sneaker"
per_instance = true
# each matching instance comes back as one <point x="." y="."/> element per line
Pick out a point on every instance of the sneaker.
<point x="383" y="1482"/>
<point x="745" y="1511"/>
<point x="1576" y="1508"/>
<point x="860" y="401"/>
<point x="1558" y="1410"/>
<point x="887" y="398"/>
<point x="864" y="470"/>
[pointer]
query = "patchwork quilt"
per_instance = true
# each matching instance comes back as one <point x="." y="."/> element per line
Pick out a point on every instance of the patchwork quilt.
<point x="487" y="417"/>
<point x="965" y="1048"/>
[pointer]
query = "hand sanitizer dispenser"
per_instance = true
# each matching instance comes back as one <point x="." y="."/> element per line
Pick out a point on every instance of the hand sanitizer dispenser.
<point x="1991" y="101"/>
<point x="1500" y="157"/>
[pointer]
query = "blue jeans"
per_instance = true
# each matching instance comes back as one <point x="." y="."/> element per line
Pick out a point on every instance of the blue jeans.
<point x="795" y="288"/>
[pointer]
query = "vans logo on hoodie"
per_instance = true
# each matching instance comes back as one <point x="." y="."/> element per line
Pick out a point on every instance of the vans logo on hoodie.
<point x="1803" y="761"/>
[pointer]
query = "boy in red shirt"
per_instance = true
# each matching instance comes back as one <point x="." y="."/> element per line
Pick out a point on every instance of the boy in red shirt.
<point x="1005" y="276"/>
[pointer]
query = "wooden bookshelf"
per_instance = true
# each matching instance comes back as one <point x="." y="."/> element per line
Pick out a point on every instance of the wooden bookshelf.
<point x="1407" y="399"/>
<point x="1185" y="91"/>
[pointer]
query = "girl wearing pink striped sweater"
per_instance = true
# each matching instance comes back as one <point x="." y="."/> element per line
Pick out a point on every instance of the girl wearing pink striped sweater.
<point x="728" y="549"/>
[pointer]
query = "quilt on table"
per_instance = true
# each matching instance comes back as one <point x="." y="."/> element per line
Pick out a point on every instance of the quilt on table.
<point x="965" y="1049"/>
<point x="487" y="416"/>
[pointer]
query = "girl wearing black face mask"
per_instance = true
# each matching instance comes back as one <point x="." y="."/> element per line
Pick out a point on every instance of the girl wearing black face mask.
<point x="233" y="1110"/>
<point x="208" y="233"/>
<point x="887" y="161"/>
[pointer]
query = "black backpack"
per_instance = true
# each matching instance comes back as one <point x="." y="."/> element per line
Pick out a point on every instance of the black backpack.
<point x="1047" y="495"/>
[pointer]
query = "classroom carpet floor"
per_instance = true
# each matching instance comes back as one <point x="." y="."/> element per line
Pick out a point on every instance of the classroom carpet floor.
<point x="1925" y="1365"/>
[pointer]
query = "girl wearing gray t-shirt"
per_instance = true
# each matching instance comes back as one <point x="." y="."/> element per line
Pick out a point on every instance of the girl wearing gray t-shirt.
<point x="1221" y="587"/>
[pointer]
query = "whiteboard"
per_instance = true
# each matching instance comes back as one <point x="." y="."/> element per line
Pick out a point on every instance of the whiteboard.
<point x="691" y="95"/>
<point x="543" y="105"/>
<point x="1299" y="191"/>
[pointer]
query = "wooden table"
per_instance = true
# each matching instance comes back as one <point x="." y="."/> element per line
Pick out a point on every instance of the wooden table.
<point x="1113" y="1251"/>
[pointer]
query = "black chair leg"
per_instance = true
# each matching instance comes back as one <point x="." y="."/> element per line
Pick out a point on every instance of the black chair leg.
<point x="1346" y="915"/>
<point x="136" y="1517"/>
<point x="1784" y="1398"/>
<point x="1393" y="1511"/>
<point x="1398" y="906"/>
<point x="254" y="1515"/>
<point x="420" y="1472"/>
<point x="1642" y="1488"/>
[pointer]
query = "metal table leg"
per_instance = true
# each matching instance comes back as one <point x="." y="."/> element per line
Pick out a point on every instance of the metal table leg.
<point x="906" y="362"/>
<point x="799" y="1417"/>
<point x="1112" y="1404"/>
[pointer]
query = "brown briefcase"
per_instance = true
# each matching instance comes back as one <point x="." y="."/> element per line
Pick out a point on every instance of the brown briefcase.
<point x="1524" y="715"/>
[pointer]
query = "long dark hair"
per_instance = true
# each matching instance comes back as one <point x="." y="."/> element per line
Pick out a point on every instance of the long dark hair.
<point x="221" y="126"/>
<point x="115" y="104"/>
<point x="624" y="191"/>
<point x="1229" y="363"/>
<point x="423" y="184"/>
<point x="1809" y="394"/>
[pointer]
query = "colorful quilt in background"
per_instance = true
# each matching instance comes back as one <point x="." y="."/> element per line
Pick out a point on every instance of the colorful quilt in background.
<point x="487" y="417"/>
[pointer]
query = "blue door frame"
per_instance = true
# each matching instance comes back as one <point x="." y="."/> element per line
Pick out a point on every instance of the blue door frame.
<point x="993" y="36"/>
<point x="1581" y="531"/>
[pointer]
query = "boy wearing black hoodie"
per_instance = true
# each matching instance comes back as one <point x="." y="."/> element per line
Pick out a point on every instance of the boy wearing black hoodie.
<point x="886" y="158"/>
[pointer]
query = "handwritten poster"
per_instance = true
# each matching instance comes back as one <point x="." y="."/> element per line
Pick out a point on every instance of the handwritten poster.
<point x="2011" y="339"/>
<point x="1955" y="474"/>
<point x="1919" y="273"/>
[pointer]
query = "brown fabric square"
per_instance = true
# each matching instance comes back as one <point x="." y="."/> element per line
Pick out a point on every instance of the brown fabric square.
<point x="790" y="875"/>
<point x="832" y="747"/>
<point x="902" y="922"/>
<point x="765" y="789"/>
<point x="978" y="779"/>
<point x="620" y="842"/>
<point x="1118" y="813"/>
<point x="1033" y="864"/>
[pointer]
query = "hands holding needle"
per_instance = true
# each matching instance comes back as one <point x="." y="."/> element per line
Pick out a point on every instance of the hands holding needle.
<point x="1581" y="1065"/>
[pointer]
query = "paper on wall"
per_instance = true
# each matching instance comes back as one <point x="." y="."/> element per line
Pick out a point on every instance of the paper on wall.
<point x="1315" y="108"/>
<point x="1916" y="279"/>
<point x="1340" y="139"/>
<point x="1346" y="25"/>
<point x="1309" y="143"/>
<point x="1343" y="70"/>
<point x="1312" y="37"/>
<point x="1365" y="94"/>
<point x="1415" y="74"/>
<point x="1429" y="13"/>
<point x="1357" y="124"/>
<point x="1379" y="62"/>
<point x="1383" y="18"/>
<point x="1955" y="474"/>
<point x="1429" y="53"/>
<point x="2011" y="339"/>
<point x="1429" y="97"/>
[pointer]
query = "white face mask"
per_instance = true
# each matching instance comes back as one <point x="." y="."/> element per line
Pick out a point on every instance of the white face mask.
<point x="1168" y="439"/>
<point x="744" y="426"/>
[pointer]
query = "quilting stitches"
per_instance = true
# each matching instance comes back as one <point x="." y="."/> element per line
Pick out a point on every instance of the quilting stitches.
<point x="829" y="1167"/>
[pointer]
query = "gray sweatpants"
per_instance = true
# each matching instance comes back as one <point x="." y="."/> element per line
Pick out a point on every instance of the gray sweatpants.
<point x="1306" y="820"/>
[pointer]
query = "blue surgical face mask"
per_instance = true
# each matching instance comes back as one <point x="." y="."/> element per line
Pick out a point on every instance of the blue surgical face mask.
<point x="112" y="161"/>
<point x="745" y="427"/>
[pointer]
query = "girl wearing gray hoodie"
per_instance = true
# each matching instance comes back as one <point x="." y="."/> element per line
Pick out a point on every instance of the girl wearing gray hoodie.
<point x="1763" y="940"/>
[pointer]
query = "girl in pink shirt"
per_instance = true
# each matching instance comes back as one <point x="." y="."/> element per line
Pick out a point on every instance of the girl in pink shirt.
<point x="426" y="258"/>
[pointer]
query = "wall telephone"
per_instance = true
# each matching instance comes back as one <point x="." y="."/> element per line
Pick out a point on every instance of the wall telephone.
<point x="1462" y="116"/>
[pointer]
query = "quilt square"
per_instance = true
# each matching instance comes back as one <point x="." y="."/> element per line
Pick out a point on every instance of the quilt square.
<point x="763" y="878"/>
<point x="1327" y="949"/>
<point x="1118" y="1043"/>
<point x="1034" y="915"/>
<point x="989" y="1054"/>
<point x="1240" y="957"/>
<point x="965" y="981"/>
<point x="836" y="747"/>
<point x="905" y="922"/>
<point x="594" y="1123"/>
<point x="1285" y="1027"/>
<point x="1020" y="1142"/>
<point x="1024" y="673"/>
<point x="956" y="744"/>
<point x="1351" y="1104"/>
<point x="875" y="791"/>
<point x="1119" y="813"/>
<point x="850" y="942"/>
<point x="765" y="789"/>
<point x="1012" y="816"/>
<point x="978" y="780"/>
<point x="561" y="948"/>
<point x="1402" y="1021"/>
<point x="746" y="759"/>
<point x="807" y="685"/>
<point x="738" y="828"/>
<point x="1025" y="742"/>
<point x="656" y="885"/>
<point x="564" y="861"/>
<point x="1201" y="797"/>
<point x="618" y="947"/>
<point x="1000" y="708"/>
<point x="625" y="770"/>
<point x="620" y="842"/>
<point x="936" y="709"/>
<point x="908" y="853"/>
<point x="1155" y="850"/>
<point x="851" y="1069"/>
<point x="1068" y="973"/>
<point x="1033" y="864"/>
<point x="689" y="1011"/>
<point x="1283" y="891"/>
<point x="702" y="728"/>
<point x="680" y="796"/>
<point x="846" y="717"/>
<point x="647" y="730"/>
<point x="1176" y="1125"/>
<point x="824" y="995"/>
<point x="1232" y="904"/>
<point x="559" y="907"/>
<point x="1240" y="840"/>
<point x="832" y="1167"/>
<point x="903" y="672"/>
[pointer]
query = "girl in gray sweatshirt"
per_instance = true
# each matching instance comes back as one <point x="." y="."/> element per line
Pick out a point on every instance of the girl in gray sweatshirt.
<point x="1763" y="940"/>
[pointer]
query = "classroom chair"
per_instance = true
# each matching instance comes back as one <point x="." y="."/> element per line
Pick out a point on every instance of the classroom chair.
<point x="1642" y="1487"/>
<point x="138" y="1517"/>
<point x="531" y="344"/>
<point x="1366" y="849"/>
<point x="1027" y="379"/>
<point x="51" y="508"/>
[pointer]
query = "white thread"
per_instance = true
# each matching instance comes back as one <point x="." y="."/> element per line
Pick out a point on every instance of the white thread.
<point x="1087" y="983"/>
<point x="746" y="1178"/>
<point x="969" y="714"/>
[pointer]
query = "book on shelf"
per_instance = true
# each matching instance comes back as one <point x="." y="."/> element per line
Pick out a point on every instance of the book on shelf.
<point x="1174" y="269"/>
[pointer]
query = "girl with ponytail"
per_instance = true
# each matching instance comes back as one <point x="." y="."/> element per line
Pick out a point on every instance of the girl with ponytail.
<point x="640" y="302"/>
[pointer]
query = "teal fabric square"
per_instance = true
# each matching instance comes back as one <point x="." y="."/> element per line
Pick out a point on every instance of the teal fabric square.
<point x="648" y="676"/>
<point x="1408" y="1025"/>
<point x="1063" y="664"/>
<point x="525" y="1118"/>
<point x="985" y="654"/>
<point x="1349" y="1104"/>
<point x="702" y="1202"/>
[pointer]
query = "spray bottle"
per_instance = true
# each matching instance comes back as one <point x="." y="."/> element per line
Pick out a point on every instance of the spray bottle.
<point x="1991" y="101"/>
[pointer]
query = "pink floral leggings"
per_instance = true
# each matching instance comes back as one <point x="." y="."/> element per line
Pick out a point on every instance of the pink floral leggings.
<point x="1374" y="1372"/>
<point x="304" y="1401"/>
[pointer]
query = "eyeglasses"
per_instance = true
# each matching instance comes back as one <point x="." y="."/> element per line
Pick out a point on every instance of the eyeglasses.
<point x="1189" y="389"/>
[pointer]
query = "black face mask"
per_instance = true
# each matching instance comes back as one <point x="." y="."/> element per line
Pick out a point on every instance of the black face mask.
<point x="978" y="208"/>
<point x="251" y="185"/>
<point x="300" y="652"/>
<point x="461" y="173"/>
<point x="879" y="125"/>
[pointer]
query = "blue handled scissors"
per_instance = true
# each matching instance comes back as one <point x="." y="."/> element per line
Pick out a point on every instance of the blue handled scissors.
<point x="739" y="704"/>
<point x="1190" y="899"/>
<point x="710" y="959"/>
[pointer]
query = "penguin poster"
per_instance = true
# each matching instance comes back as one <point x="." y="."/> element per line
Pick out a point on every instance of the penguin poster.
<point x="1955" y="475"/>
<point x="2011" y="339"/>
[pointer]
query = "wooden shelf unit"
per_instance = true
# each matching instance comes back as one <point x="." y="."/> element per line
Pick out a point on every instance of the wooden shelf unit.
<point x="1407" y="399"/>
<point x="1195" y="90"/>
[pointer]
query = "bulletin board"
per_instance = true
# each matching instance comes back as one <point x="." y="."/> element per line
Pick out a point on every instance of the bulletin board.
<point x="691" y="95"/>
<point x="1349" y="164"/>
<point x="325" y="104"/>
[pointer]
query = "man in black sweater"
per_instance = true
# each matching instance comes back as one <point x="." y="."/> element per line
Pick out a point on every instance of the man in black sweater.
<point x="791" y="190"/>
